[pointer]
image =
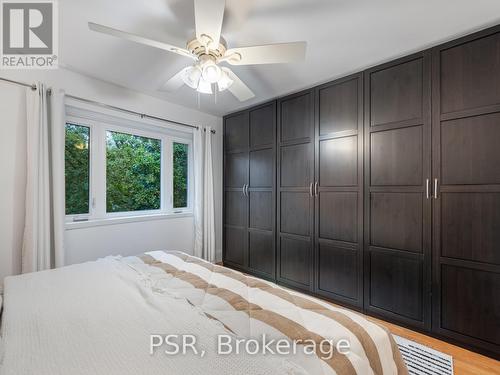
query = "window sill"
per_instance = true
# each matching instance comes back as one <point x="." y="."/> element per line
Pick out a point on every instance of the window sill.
<point x="124" y="220"/>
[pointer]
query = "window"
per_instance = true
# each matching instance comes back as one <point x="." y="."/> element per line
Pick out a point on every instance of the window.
<point x="125" y="168"/>
<point x="180" y="157"/>
<point x="133" y="173"/>
<point x="77" y="169"/>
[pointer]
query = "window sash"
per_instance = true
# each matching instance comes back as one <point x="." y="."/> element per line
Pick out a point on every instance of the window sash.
<point x="97" y="175"/>
<point x="190" y="176"/>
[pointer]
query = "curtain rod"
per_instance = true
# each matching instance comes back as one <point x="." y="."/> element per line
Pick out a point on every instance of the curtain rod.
<point x="141" y="115"/>
<point x="30" y="85"/>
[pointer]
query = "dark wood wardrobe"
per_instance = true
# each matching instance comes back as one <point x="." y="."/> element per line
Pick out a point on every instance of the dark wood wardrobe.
<point x="398" y="190"/>
<point x="249" y="190"/>
<point x="380" y="191"/>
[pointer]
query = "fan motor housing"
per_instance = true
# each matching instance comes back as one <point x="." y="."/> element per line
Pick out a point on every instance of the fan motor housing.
<point x="199" y="48"/>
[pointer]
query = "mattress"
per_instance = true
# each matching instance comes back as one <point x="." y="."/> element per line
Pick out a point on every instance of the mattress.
<point x="110" y="317"/>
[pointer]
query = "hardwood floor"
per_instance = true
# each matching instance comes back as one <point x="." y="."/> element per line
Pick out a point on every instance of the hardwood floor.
<point x="465" y="362"/>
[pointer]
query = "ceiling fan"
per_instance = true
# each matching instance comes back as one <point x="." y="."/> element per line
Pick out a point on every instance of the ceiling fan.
<point x="208" y="49"/>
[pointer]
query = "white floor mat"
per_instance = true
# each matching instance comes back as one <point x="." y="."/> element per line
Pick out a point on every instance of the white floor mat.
<point x="422" y="360"/>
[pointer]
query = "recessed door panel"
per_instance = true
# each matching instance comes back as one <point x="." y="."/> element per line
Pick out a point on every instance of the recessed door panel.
<point x="236" y="244"/>
<point x="295" y="118"/>
<point x="295" y="260"/>
<point x="469" y="74"/>
<point x="471" y="226"/>
<point x="261" y="168"/>
<point x="296" y="165"/>
<point x="464" y="307"/>
<point x="262" y="126"/>
<point x="236" y="132"/>
<point x="396" y="284"/>
<point x="338" y="216"/>
<point x="396" y="157"/>
<point x="261" y="252"/>
<point x="338" y="161"/>
<point x="338" y="270"/>
<point x="396" y="93"/>
<point x="295" y="213"/>
<point x="261" y="210"/>
<point x="339" y="107"/>
<point x="470" y="150"/>
<point x="397" y="221"/>
<point x="236" y="172"/>
<point x="235" y="208"/>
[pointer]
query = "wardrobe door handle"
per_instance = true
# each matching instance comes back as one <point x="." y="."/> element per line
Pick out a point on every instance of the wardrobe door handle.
<point x="243" y="189"/>
<point x="435" y="188"/>
<point x="247" y="190"/>
<point x="316" y="188"/>
<point x="427" y="188"/>
<point x="311" y="189"/>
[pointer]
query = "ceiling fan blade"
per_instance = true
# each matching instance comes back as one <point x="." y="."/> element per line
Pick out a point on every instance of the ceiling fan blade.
<point x="238" y="87"/>
<point x="208" y="16"/>
<point x="174" y="83"/>
<point x="267" y="54"/>
<point x="139" y="39"/>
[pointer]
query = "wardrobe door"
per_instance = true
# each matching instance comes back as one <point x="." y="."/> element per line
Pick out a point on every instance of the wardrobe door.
<point x="261" y="191"/>
<point x="397" y="193"/>
<point x="339" y="191"/>
<point x="295" y="201"/>
<point x="236" y="169"/>
<point x="466" y="164"/>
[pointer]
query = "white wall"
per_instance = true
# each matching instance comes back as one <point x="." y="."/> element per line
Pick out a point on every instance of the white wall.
<point x="129" y="239"/>
<point x="84" y="244"/>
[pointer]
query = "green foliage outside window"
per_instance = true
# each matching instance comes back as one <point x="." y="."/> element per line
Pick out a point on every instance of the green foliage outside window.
<point x="180" y="175"/>
<point x="77" y="164"/>
<point x="133" y="173"/>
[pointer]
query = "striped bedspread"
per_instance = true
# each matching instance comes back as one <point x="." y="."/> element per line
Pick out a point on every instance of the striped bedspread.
<point x="252" y="308"/>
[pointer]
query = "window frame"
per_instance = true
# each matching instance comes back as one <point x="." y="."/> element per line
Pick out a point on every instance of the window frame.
<point x="98" y="164"/>
<point x="80" y="122"/>
<point x="190" y="178"/>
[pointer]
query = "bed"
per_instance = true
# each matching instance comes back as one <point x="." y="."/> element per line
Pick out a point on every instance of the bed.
<point x="112" y="316"/>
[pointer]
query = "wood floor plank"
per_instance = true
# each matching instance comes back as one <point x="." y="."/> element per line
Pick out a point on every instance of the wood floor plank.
<point x="465" y="362"/>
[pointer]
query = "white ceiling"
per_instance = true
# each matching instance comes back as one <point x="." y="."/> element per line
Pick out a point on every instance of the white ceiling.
<point x="343" y="36"/>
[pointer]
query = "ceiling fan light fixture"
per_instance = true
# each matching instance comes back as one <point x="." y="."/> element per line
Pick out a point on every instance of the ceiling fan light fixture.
<point x="208" y="48"/>
<point x="191" y="76"/>
<point x="204" y="87"/>
<point x="211" y="72"/>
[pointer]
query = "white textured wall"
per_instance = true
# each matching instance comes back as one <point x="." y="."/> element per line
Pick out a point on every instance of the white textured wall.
<point x="85" y="244"/>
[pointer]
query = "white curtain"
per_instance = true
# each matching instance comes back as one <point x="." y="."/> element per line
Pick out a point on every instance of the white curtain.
<point x="44" y="219"/>
<point x="58" y="124"/>
<point x="198" y="156"/>
<point x="204" y="220"/>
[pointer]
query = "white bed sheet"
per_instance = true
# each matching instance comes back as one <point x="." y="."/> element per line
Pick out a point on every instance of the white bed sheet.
<point x="96" y="318"/>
